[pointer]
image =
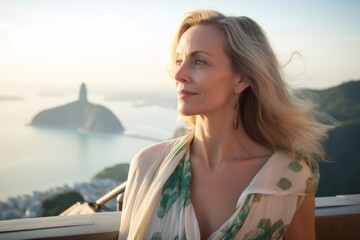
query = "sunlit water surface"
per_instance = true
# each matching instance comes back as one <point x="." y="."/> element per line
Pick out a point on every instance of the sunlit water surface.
<point x="39" y="158"/>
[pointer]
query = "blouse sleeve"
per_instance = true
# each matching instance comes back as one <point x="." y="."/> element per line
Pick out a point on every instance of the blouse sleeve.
<point x="127" y="210"/>
<point x="143" y="168"/>
<point x="312" y="181"/>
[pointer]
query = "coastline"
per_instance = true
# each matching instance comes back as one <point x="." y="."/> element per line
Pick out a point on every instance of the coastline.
<point x="29" y="205"/>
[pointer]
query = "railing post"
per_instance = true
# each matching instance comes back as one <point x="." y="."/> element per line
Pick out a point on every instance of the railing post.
<point x="119" y="201"/>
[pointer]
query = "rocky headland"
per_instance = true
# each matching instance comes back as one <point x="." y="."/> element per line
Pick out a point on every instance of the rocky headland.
<point x="80" y="115"/>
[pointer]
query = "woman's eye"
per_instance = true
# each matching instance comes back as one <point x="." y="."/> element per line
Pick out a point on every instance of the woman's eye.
<point x="199" y="63"/>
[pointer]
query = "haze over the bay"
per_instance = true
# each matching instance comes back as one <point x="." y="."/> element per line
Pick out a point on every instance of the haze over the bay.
<point x="119" y="45"/>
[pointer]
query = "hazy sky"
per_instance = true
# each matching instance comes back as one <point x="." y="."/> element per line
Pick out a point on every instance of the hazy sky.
<point x="120" y="45"/>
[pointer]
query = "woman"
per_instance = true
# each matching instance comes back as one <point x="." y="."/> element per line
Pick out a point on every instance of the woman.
<point x="245" y="170"/>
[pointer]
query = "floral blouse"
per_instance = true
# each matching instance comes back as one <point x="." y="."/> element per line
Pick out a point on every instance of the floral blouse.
<point x="157" y="202"/>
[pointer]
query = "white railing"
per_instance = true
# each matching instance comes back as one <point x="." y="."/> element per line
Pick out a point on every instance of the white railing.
<point x="336" y="218"/>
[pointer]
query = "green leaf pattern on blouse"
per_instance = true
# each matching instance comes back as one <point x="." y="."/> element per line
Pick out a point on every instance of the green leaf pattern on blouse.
<point x="295" y="166"/>
<point x="185" y="198"/>
<point x="156" y="236"/>
<point x="311" y="185"/>
<point x="313" y="181"/>
<point x="235" y="227"/>
<point x="267" y="231"/>
<point x="284" y="184"/>
<point x="170" y="191"/>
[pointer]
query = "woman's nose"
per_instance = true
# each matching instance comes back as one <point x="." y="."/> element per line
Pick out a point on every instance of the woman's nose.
<point x="182" y="74"/>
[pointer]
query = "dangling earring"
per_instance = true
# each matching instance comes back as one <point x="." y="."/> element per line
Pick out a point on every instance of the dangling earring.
<point x="236" y="120"/>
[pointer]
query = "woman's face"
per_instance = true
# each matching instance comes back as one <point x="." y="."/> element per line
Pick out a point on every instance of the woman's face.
<point x="205" y="81"/>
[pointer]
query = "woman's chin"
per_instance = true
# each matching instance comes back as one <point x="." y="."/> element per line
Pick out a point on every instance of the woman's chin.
<point x="185" y="112"/>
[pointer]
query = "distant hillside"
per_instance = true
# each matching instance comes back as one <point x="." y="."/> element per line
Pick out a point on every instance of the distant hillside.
<point x="341" y="175"/>
<point x="117" y="173"/>
<point x="341" y="102"/>
<point x="56" y="204"/>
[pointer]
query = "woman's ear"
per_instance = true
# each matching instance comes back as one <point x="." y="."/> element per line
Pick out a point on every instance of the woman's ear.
<point x="241" y="84"/>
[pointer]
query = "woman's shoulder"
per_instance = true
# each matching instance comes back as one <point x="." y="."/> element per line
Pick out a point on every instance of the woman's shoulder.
<point x="153" y="153"/>
<point x="287" y="165"/>
<point x="147" y="161"/>
<point x="296" y="173"/>
<point x="309" y="168"/>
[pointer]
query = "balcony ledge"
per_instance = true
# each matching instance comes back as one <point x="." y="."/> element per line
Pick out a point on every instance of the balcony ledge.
<point x="336" y="218"/>
<point x="88" y="226"/>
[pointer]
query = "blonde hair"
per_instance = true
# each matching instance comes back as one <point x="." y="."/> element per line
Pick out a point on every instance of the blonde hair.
<point x="270" y="111"/>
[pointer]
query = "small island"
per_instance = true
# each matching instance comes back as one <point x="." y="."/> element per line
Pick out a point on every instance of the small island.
<point x="10" y="98"/>
<point x="80" y="115"/>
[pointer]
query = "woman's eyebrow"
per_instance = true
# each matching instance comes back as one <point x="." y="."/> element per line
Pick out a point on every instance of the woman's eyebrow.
<point x="194" y="53"/>
<point x="200" y="52"/>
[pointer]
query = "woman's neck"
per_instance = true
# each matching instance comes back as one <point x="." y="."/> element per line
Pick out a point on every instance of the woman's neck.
<point x="217" y="141"/>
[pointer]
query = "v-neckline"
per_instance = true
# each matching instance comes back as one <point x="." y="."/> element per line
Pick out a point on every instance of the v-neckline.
<point x="241" y="198"/>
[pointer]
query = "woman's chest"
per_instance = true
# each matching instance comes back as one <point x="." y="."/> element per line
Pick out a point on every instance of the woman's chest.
<point x="214" y="193"/>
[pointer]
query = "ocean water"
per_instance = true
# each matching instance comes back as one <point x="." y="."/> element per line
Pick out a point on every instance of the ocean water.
<point x="35" y="159"/>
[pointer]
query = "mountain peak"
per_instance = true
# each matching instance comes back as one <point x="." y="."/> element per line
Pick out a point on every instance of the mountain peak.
<point x="83" y="93"/>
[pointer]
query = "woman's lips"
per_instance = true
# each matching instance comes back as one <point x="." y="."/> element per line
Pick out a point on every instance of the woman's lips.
<point x="185" y="94"/>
